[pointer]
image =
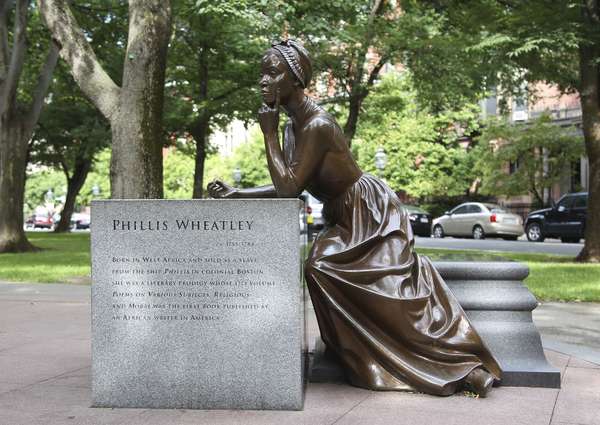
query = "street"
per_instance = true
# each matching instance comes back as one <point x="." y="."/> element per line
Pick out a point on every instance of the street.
<point x="550" y="246"/>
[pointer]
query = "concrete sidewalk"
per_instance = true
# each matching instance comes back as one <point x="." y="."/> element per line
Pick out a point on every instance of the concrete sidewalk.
<point x="45" y="376"/>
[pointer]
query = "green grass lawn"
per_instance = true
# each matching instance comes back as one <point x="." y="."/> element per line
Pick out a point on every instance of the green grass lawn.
<point x="551" y="277"/>
<point x="65" y="258"/>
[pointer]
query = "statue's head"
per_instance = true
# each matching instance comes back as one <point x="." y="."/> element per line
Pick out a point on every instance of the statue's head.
<point x="286" y="68"/>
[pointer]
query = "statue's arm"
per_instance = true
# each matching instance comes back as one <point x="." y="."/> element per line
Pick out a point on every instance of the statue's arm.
<point x="267" y="191"/>
<point x="290" y="181"/>
<point x="220" y="189"/>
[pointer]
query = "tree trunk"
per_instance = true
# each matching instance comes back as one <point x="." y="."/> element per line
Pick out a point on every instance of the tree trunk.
<point x="133" y="110"/>
<point x="13" y="162"/>
<point x="353" y="113"/>
<point x="538" y="199"/>
<point x="200" y="127"/>
<point x="358" y="92"/>
<point x="16" y="125"/>
<point x="74" y="184"/>
<point x="200" y="134"/>
<point x="137" y="132"/>
<point x="590" y="109"/>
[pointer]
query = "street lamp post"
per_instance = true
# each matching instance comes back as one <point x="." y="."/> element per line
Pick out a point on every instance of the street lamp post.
<point x="49" y="199"/>
<point x="237" y="176"/>
<point x="380" y="160"/>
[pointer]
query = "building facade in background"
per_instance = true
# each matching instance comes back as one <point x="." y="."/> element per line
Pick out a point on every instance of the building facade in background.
<point x="565" y="110"/>
<point x="226" y="140"/>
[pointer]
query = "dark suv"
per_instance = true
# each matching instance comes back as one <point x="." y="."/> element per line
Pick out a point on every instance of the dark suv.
<point x="565" y="220"/>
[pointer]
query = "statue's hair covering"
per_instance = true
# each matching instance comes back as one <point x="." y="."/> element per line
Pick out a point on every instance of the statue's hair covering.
<point x="297" y="58"/>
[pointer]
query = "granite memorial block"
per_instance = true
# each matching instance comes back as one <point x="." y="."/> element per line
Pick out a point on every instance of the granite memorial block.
<point x="197" y="304"/>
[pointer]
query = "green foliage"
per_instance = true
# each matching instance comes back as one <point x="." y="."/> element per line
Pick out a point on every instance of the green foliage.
<point x="424" y="153"/>
<point x="252" y="160"/>
<point x="213" y="63"/>
<point x="540" y="152"/>
<point x="38" y="184"/>
<point x="219" y="167"/>
<point x="349" y="39"/>
<point x="70" y="129"/>
<point x="558" y="42"/>
<point x="339" y="33"/>
<point x="213" y="68"/>
<point x="38" y="43"/>
<point x="518" y="41"/>
<point x="99" y="176"/>
<point x="178" y="175"/>
<point x="105" y="24"/>
<point x="250" y="157"/>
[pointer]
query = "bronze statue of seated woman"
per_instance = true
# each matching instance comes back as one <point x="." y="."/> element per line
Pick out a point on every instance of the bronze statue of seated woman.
<point x="381" y="308"/>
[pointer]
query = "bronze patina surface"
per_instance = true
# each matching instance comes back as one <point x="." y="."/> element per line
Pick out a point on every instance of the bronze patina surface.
<point x="382" y="309"/>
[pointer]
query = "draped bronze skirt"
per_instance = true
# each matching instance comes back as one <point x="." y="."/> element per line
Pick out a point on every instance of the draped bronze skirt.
<point x="381" y="308"/>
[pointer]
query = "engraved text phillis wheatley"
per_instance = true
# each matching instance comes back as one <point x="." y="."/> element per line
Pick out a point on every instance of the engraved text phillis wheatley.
<point x="186" y="287"/>
<point x="181" y="224"/>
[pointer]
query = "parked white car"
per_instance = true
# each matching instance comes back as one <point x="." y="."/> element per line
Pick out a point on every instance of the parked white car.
<point x="80" y="221"/>
<point x="478" y="220"/>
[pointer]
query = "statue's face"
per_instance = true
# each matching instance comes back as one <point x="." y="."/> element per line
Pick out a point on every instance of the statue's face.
<point x="275" y="76"/>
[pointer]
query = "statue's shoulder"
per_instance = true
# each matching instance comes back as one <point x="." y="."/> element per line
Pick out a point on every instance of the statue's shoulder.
<point x="322" y="121"/>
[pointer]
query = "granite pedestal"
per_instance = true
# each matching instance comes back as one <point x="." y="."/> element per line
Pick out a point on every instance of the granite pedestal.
<point x="499" y="306"/>
<point x="197" y="304"/>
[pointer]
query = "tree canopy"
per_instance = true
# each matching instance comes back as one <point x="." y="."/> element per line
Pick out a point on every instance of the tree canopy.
<point x="213" y="70"/>
<point x="427" y="152"/>
<point x="556" y="41"/>
<point x="69" y="134"/>
<point x="449" y="54"/>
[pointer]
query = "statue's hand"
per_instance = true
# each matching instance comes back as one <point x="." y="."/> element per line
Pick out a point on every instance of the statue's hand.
<point x="219" y="189"/>
<point x="268" y="117"/>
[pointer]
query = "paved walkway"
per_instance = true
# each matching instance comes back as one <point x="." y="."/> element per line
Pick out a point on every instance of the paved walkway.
<point x="45" y="377"/>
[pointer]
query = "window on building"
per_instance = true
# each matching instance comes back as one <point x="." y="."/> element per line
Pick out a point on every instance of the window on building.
<point x="520" y="104"/>
<point x="513" y="166"/>
<point x="491" y="105"/>
<point x="519" y="111"/>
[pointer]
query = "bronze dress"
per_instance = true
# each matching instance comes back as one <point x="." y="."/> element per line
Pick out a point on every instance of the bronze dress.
<point x="381" y="308"/>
